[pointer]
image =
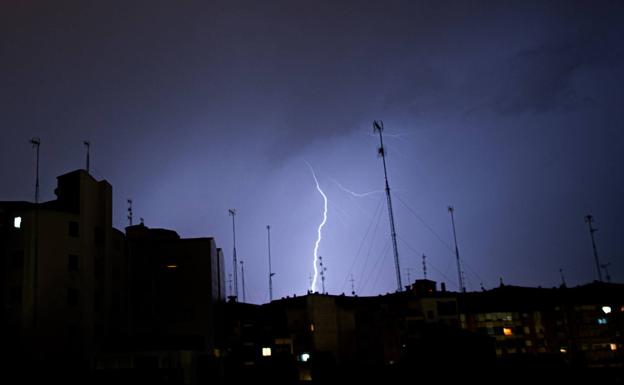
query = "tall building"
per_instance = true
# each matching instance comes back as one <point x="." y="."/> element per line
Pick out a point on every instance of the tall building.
<point x="80" y="297"/>
<point x="57" y="259"/>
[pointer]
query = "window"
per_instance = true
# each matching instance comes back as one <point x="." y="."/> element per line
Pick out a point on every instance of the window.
<point x="266" y="352"/>
<point x="17" y="222"/>
<point x="507" y="331"/>
<point x="73" y="229"/>
<point x="72" y="297"/>
<point x="72" y="263"/>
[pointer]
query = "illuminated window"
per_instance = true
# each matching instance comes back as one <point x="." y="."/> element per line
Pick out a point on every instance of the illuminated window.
<point x="172" y="266"/>
<point x="17" y="222"/>
<point x="304" y="357"/>
<point x="606" y="309"/>
<point x="311" y="327"/>
<point x="507" y="331"/>
<point x="266" y="352"/>
<point x="602" y="321"/>
<point x="613" y="347"/>
<point x="563" y="350"/>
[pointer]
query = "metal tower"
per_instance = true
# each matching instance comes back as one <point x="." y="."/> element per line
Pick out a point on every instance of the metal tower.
<point x="462" y="288"/>
<point x="378" y="127"/>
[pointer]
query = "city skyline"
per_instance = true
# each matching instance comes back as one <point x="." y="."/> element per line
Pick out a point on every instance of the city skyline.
<point x="510" y="114"/>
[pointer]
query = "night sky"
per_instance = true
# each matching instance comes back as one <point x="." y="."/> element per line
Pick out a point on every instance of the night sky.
<point x="509" y="111"/>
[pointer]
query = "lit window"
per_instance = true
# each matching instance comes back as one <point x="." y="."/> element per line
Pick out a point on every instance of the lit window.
<point x="602" y="321"/>
<point x="305" y="357"/>
<point x="563" y="350"/>
<point x="613" y="347"/>
<point x="311" y="327"/>
<point x="266" y="352"/>
<point x="507" y="331"/>
<point x="17" y="222"/>
<point x="606" y="309"/>
<point x="172" y="266"/>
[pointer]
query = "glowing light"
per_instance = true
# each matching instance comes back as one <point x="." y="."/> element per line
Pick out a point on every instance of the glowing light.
<point x="563" y="350"/>
<point x="172" y="266"/>
<point x="266" y="352"/>
<point x="17" y="222"/>
<point x="613" y="347"/>
<point x="318" y="231"/>
<point x="507" y="331"/>
<point x="606" y="309"/>
<point x="305" y="357"/>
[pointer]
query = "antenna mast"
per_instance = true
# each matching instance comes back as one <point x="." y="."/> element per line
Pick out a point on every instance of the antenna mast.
<point x="271" y="274"/>
<point x="323" y="269"/>
<point x="352" y="286"/>
<point x="462" y="288"/>
<point x="378" y="127"/>
<point x="130" y="212"/>
<point x="424" y="266"/>
<point x="234" y="264"/>
<point x="88" y="145"/>
<point x="606" y="269"/>
<point x="590" y="220"/>
<point x="243" y="278"/>
<point x="36" y="142"/>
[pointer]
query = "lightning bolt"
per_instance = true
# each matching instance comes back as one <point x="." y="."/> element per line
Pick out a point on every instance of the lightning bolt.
<point x="358" y="195"/>
<point x="318" y="231"/>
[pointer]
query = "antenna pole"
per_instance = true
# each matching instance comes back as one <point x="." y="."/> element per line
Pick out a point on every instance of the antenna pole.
<point x="270" y="271"/>
<point x="234" y="262"/>
<point x="36" y="142"/>
<point x="129" y="212"/>
<point x="378" y="127"/>
<point x="243" y="279"/>
<point x="606" y="269"/>
<point x="230" y="283"/>
<point x="462" y="288"/>
<point x="323" y="268"/>
<point x="352" y="286"/>
<point x="424" y="263"/>
<point x="589" y="219"/>
<point x="563" y="282"/>
<point x="88" y="145"/>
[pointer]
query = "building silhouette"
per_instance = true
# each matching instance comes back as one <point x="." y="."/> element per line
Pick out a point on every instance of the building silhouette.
<point x="85" y="302"/>
<point x="79" y="295"/>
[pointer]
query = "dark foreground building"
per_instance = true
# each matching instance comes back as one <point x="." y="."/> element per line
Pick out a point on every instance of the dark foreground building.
<point x="83" y="301"/>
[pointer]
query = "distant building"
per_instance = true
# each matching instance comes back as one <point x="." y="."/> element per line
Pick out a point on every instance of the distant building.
<point x="175" y="291"/>
<point x="328" y="338"/>
<point x="581" y="326"/>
